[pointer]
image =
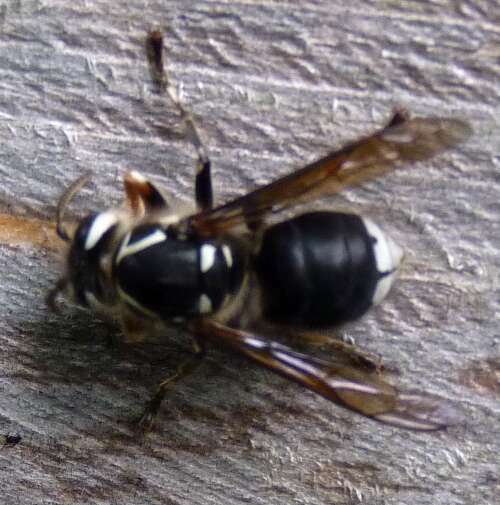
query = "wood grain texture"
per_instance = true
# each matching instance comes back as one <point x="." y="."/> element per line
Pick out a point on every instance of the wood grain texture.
<point x="273" y="85"/>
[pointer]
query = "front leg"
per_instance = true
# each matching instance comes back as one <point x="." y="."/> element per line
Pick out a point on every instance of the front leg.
<point x="159" y="74"/>
<point x="184" y="369"/>
<point x="203" y="186"/>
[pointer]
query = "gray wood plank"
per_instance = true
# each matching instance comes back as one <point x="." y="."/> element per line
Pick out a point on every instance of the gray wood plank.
<point x="273" y="85"/>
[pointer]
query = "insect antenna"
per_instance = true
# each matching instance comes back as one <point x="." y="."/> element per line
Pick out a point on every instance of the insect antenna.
<point x="63" y="203"/>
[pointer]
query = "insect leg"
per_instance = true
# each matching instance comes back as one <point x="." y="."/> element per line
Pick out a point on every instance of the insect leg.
<point x="142" y="195"/>
<point x="184" y="369"/>
<point x="159" y="74"/>
<point x="53" y="294"/>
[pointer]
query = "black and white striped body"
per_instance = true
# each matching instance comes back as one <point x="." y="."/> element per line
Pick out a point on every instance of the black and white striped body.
<point x="152" y="269"/>
<point x="317" y="269"/>
<point x="324" y="268"/>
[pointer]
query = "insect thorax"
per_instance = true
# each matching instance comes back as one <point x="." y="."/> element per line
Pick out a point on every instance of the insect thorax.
<point x="163" y="273"/>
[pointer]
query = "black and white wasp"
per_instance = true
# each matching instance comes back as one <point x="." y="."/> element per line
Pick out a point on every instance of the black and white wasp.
<point x="221" y="270"/>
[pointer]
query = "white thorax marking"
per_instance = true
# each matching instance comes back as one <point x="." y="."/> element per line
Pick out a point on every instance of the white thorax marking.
<point x="127" y="249"/>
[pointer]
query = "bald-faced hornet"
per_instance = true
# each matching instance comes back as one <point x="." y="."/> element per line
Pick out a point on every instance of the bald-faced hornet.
<point x="220" y="270"/>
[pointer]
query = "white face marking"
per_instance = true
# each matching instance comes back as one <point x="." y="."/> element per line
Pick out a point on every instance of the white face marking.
<point x="205" y="304"/>
<point x="207" y="257"/>
<point x="228" y="256"/>
<point x="149" y="240"/>
<point x="388" y="257"/>
<point x="102" y="223"/>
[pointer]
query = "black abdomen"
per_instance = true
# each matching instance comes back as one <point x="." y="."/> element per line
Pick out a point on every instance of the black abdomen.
<point x="317" y="269"/>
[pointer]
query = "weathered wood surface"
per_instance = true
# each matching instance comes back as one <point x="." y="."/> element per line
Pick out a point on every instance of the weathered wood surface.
<point x="273" y="84"/>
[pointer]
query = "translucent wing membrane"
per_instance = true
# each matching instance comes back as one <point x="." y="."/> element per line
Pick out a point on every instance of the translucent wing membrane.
<point x="360" y="391"/>
<point x="402" y="141"/>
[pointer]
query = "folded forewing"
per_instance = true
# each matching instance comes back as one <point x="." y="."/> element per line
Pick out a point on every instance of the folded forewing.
<point x="360" y="391"/>
<point x="403" y="141"/>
